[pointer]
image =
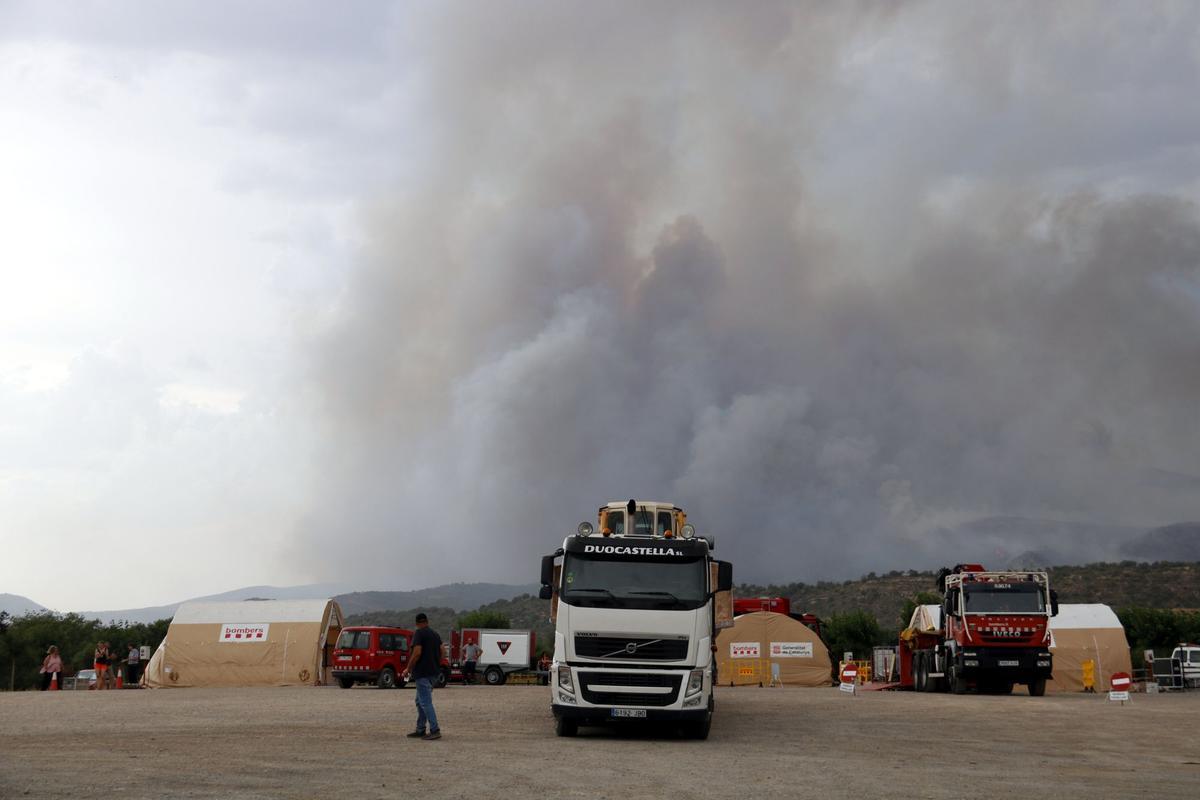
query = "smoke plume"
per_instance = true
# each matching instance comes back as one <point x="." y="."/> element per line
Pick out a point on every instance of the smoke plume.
<point x="842" y="281"/>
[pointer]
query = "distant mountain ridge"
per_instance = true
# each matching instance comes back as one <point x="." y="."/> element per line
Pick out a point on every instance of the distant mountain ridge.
<point x="313" y="591"/>
<point x="458" y="596"/>
<point x="17" y="605"/>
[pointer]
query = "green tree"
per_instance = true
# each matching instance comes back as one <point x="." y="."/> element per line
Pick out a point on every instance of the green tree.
<point x="23" y="645"/>
<point x="856" y="632"/>
<point x="483" y="618"/>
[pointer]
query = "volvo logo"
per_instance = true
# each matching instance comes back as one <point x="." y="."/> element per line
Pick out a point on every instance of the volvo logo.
<point x="631" y="648"/>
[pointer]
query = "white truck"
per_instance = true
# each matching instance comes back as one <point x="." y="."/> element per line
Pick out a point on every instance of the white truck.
<point x="637" y="605"/>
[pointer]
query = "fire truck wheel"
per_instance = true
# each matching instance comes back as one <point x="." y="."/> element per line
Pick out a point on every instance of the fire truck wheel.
<point x="919" y="672"/>
<point x="494" y="676"/>
<point x="1037" y="688"/>
<point x="566" y="727"/>
<point x="387" y="679"/>
<point x="345" y="683"/>
<point x="957" y="684"/>
<point x="442" y="679"/>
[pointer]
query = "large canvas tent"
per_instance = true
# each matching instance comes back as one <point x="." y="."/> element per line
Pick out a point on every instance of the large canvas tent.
<point x="248" y="643"/>
<point x="765" y="645"/>
<point x="1083" y="632"/>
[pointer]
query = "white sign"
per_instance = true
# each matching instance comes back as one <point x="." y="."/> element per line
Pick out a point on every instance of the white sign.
<point x="846" y="687"/>
<point x="1122" y="696"/>
<point x="245" y="632"/>
<point x="743" y="650"/>
<point x="791" y="650"/>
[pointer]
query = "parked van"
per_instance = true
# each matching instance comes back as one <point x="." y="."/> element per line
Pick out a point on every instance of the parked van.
<point x="375" y="654"/>
<point x="1189" y="658"/>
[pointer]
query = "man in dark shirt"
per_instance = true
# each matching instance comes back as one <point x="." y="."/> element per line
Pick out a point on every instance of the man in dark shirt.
<point x="424" y="665"/>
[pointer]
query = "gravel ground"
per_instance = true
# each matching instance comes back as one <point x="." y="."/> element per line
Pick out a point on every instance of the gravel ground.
<point x="499" y="742"/>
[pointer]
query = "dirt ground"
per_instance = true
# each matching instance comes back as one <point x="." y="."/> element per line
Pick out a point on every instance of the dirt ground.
<point x="500" y="742"/>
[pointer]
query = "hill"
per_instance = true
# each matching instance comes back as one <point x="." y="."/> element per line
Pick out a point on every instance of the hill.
<point x="16" y="605"/>
<point x="459" y="596"/>
<point x="1128" y="583"/>
<point x="314" y="591"/>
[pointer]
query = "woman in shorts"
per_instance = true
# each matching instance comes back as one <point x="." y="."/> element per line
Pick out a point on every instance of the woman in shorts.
<point x="101" y="660"/>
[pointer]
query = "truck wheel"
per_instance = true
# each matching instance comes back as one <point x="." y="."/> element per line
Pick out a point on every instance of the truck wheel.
<point x="442" y="679"/>
<point x="919" y="672"/>
<point x="387" y="679"/>
<point x="345" y="683"/>
<point x="1037" y="688"/>
<point x="494" y="676"/>
<point x="566" y="727"/>
<point x="957" y="684"/>
<point x="699" y="730"/>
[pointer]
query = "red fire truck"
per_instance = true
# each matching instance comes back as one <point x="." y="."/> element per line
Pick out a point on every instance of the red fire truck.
<point x="990" y="632"/>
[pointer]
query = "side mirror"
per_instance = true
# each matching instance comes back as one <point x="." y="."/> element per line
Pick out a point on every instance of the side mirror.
<point x="547" y="571"/>
<point x="1053" y="603"/>
<point x="724" y="576"/>
<point x="545" y="593"/>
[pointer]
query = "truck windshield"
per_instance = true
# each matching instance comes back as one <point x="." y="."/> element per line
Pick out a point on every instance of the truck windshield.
<point x="610" y="583"/>
<point x="354" y="640"/>
<point x="1005" y="598"/>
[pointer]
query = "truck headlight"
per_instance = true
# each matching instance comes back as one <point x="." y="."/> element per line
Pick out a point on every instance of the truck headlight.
<point x="971" y="663"/>
<point x="695" y="682"/>
<point x="1043" y="663"/>
<point x="564" y="678"/>
<point x="566" y="699"/>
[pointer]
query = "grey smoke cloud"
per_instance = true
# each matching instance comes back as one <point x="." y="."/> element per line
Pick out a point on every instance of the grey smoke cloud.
<point x="840" y="281"/>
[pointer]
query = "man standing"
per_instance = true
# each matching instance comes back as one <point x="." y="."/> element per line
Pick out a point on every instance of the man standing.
<point x="424" y="666"/>
<point x="133" y="665"/>
<point x="470" y="658"/>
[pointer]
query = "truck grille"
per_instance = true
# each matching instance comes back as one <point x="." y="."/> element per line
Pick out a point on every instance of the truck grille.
<point x="588" y="680"/>
<point x="619" y="647"/>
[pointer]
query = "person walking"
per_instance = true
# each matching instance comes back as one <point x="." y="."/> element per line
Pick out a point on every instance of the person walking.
<point x="423" y="667"/>
<point x="100" y="661"/>
<point x="470" y="659"/>
<point x="51" y="665"/>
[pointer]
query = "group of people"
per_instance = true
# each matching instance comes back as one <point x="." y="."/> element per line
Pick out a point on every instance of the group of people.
<point x="103" y="659"/>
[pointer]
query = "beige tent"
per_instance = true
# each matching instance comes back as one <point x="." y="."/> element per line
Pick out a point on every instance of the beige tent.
<point x="1086" y="632"/>
<point x="764" y="647"/>
<point x="248" y="643"/>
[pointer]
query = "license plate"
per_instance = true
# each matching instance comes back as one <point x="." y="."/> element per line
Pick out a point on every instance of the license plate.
<point x="345" y="658"/>
<point x="629" y="712"/>
<point x="1010" y="663"/>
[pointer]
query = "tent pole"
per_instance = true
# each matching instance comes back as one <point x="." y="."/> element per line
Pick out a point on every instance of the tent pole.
<point x="283" y="672"/>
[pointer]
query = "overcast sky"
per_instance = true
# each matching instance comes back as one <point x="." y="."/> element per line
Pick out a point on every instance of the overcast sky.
<point x="395" y="295"/>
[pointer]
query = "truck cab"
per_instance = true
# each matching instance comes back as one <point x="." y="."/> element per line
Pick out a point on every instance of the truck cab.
<point x="637" y="601"/>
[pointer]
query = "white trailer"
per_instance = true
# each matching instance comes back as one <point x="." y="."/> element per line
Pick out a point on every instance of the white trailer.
<point x="503" y="652"/>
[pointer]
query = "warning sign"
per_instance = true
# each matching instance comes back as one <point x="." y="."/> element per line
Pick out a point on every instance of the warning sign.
<point x="504" y="647"/>
<point x="743" y="650"/>
<point x="791" y="650"/>
<point x="254" y="632"/>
